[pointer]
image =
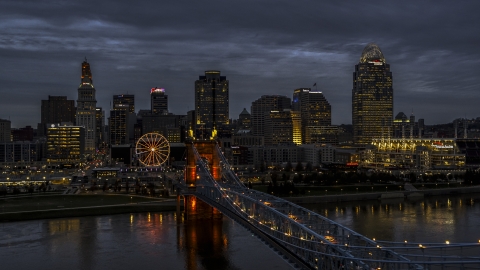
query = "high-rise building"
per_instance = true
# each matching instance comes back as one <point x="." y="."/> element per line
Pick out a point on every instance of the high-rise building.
<point x="244" y="120"/>
<point x="118" y="124"/>
<point x="5" y="130"/>
<point x="283" y="127"/>
<point x="65" y="144"/>
<point x="125" y="99"/>
<point x="262" y="107"/>
<point x="56" y="110"/>
<point x="211" y="104"/>
<point x="158" y="101"/>
<point x="314" y="109"/>
<point x="100" y="127"/>
<point x="372" y="96"/>
<point x="86" y="108"/>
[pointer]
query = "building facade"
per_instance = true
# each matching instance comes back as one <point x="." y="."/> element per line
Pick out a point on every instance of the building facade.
<point x="65" y="144"/>
<point x="211" y="104"/>
<point x="125" y="99"/>
<point x="283" y="128"/>
<point x="372" y="96"/>
<point x="5" y="130"/>
<point x="86" y="108"/>
<point x="56" y="110"/>
<point x="314" y="109"/>
<point x="262" y="107"/>
<point x="418" y="154"/>
<point x="158" y="101"/>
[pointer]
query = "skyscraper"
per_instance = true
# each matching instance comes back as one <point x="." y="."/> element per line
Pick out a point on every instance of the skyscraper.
<point x="125" y="99"/>
<point x="261" y="109"/>
<point x="56" y="110"/>
<point x="86" y="108"/>
<point x="211" y="104"/>
<point x="283" y="127"/>
<point x="372" y="96"/>
<point x="118" y="124"/>
<point x="314" y="109"/>
<point x="158" y="101"/>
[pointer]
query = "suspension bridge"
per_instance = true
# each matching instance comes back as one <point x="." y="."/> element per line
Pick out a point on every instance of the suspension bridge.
<point x="309" y="240"/>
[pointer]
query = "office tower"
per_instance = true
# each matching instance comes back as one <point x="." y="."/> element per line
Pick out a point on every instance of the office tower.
<point x="125" y="100"/>
<point x="372" y="97"/>
<point x="283" y="127"/>
<point x="262" y="107"/>
<point x="65" y="144"/>
<point x="86" y="108"/>
<point x="5" y="130"/>
<point x="211" y="104"/>
<point x="118" y="124"/>
<point x="158" y="101"/>
<point x="314" y="109"/>
<point x="56" y="110"/>
<point x="100" y="128"/>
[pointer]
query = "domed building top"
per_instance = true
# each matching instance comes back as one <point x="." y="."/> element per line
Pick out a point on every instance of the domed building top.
<point x="372" y="53"/>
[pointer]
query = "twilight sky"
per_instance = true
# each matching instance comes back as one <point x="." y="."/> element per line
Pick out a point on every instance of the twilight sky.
<point x="263" y="47"/>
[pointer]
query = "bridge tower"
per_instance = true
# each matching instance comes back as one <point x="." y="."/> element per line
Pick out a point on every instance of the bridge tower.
<point x="195" y="208"/>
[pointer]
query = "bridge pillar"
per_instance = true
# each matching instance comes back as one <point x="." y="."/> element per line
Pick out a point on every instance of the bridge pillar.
<point x="195" y="208"/>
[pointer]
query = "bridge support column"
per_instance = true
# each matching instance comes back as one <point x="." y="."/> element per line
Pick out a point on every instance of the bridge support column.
<point x="197" y="209"/>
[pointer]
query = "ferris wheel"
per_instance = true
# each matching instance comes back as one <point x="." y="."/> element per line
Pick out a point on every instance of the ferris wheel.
<point x="152" y="149"/>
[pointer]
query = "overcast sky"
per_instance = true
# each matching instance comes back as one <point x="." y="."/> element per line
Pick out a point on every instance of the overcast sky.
<point x="264" y="47"/>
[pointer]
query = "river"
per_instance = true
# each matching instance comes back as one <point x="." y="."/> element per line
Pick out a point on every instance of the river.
<point x="454" y="218"/>
<point x="157" y="241"/>
<point x="133" y="241"/>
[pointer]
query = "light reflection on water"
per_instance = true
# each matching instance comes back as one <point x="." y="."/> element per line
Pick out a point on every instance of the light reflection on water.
<point x="133" y="241"/>
<point x="434" y="219"/>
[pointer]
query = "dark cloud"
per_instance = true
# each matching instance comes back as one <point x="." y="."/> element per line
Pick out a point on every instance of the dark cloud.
<point x="263" y="47"/>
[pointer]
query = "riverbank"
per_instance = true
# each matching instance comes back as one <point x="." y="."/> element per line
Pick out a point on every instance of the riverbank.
<point x="47" y="207"/>
<point x="383" y="195"/>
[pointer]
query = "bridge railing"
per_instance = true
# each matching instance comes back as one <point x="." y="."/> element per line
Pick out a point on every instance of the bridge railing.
<point x="318" y="241"/>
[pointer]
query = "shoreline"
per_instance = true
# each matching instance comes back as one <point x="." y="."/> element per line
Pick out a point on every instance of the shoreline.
<point x="169" y="205"/>
<point x="383" y="195"/>
<point x="163" y="206"/>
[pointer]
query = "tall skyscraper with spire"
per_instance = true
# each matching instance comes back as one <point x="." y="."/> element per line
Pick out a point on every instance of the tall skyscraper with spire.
<point x="86" y="107"/>
<point x="372" y="97"/>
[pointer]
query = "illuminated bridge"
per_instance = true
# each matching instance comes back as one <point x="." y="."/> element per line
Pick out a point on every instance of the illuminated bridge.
<point x="307" y="239"/>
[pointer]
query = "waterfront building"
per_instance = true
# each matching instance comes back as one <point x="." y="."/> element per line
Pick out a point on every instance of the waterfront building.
<point x="5" y="130"/>
<point x="372" y="96"/>
<point x="417" y="154"/>
<point x="158" y="101"/>
<point x="211" y="105"/>
<point x="315" y="111"/>
<point x="262" y="107"/>
<point x="65" y="144"/>
<point x="86" y="108"/>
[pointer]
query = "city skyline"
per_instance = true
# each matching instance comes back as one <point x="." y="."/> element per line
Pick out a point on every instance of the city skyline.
<point x="272" y="50"/>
